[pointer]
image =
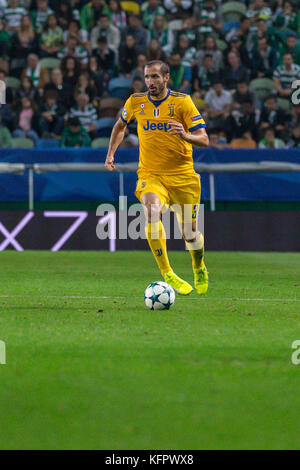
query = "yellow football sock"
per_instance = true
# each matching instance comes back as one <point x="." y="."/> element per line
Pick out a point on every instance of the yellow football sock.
<point x="156" y="236"/>
<point x="196" y="250"/>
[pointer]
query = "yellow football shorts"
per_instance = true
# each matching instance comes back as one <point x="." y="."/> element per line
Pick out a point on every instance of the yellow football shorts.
<point x="180" y="193"/>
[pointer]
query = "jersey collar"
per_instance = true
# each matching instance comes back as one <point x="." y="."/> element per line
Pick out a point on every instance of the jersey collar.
<point x="157" y="102"/>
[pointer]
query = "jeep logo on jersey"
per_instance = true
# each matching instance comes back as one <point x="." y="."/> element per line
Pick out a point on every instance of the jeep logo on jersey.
<point x="160" y="126"/>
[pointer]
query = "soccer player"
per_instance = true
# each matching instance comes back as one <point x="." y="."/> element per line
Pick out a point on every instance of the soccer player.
<point x="169" y="125"/>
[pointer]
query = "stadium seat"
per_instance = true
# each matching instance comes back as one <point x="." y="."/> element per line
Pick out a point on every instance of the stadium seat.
<point x="131" y="7"/>
<point x="104" y="126"/>
<point x="175" y="25"/>
<point x="47" y="143"/>
<point x="118" y="87"/>
<point x="284" y="104"/>
<point x="100" y="142"/>
<point x="233" y="11"/>
<point x="262" y="86"/>
<point x="50" y="63"/>
<point x="13" y="82"/>
<point x="109" y="107"/>
<point x="21" y="142"/>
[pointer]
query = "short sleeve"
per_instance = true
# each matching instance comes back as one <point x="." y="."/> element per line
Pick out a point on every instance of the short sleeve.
<point x="127" y="112"/>
<point x="191" y="116"/>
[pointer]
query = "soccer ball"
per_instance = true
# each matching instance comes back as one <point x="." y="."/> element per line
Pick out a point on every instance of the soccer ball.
<point x="159" y="296"/>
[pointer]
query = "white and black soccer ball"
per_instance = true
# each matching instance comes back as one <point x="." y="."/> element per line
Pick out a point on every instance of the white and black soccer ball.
<point x="159" y="296"/>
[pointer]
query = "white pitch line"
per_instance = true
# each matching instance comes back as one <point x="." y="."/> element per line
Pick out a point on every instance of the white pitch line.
<point x="138" y="297"/>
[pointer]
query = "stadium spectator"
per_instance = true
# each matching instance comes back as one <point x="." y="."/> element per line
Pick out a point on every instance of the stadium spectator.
<point x="40" y="15"/>
<point x="236" y="45"/>
<point x="39" y="75"/>
<point x="273" y="116"/>
<point x="244" y="142"/>
<point x="285" y="18"/>
<point x="12" y="15"/>
<point x="62" y="87"/>
<point x="66" y="13"/>
<point x="75" y="135"/>
<point x="138" y="86"/>
<point x="91" y="12"/>
<point x="217" y="139"/>
<point x="240" y="121"/>
<point x="264" y="59"/>
<point x="138" y="71"/>
<point x="285" y="75"/>
<point x="258" y="8"/>
<point x="51" y="40"/>
<point x="291" y="46"/>
<point x="162" y="33"/>
<point x="155" y="51"/>
<point x="218" y="105"/>
<point x="109" y="31"/>
<point x="74" y="30"/>
<point x="234" y="72"/>
<point x="187" y="52"/>
<point x="210" y="47"/>
<point x="188" y="29"/>
<point x="5" y="41"/>
<point x="180" y="76"/>
<point x="207" y="18"/>
<point x="86" y="113"/>
<point x="27" y="89"/>
<point x="137" y="31"/>
<point x="270" y="141"/>
<point x="150" y="11"/>
<point x="294" y="141"/>
<point x="178" y="8"/>
<point x="52" y="114"/>
<point x="24" y="42"/>
<point x="26" y="120"/>
<point x="294" y="120"/>
<point x="244" y="93"/>
<point x="97" y="74"/>
<point x="205" y="75"/>
<point x="5" y="136"/>
<point x="128" y="55"/>
<point x="7" y="117"/>
<point x="117" y="15"/>
<point x="105" y="56"/>
<point x="85" y="85"/>
<point x="70" y="68"/>
<point x="73" y="49"/>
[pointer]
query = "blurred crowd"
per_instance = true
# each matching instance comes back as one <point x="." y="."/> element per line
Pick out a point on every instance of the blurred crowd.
<point x="69" y="65"/>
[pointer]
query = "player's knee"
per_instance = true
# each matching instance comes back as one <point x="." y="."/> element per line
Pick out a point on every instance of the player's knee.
<point x="195" y="237"/>
<point x="152" y="211"/>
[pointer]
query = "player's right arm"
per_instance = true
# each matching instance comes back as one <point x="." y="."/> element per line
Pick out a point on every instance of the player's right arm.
<point x="117" y="134"/>
<point x="116" y="138"/>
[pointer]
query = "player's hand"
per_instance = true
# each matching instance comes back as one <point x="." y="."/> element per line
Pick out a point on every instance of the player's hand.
<point x="109" y="163"/>
<point x="177" y="128"/>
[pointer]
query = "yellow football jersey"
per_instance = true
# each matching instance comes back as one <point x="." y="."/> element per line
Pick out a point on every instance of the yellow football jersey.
<point x="161" y="152"/>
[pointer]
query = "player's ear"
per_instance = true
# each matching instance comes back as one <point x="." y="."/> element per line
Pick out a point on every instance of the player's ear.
<point x="167" y="77"/>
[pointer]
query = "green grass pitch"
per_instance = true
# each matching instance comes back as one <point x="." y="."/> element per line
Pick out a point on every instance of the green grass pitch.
<point x="89" y="367"/>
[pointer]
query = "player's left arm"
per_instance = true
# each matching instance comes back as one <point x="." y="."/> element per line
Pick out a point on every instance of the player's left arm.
<point x="191" y="126"/>
<point x="197" y="137"/>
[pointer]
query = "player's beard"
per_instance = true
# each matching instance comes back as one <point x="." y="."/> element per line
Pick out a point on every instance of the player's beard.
<point x="159" y="89"/>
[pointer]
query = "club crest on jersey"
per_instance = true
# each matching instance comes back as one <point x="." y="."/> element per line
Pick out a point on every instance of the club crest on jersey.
<point x="171" y="109"/>
<point x="142" y="108"/>
<point x="156" y="112"/>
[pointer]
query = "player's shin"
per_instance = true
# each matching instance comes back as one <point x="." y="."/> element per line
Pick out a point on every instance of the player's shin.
<point x="156" y="237"/>
<point x="196" y="249"/>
